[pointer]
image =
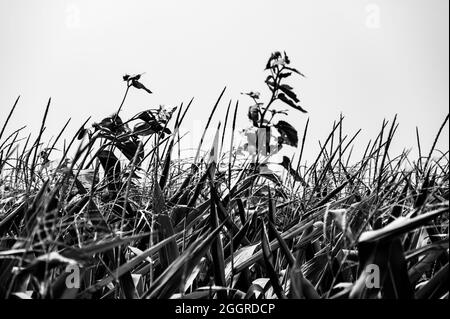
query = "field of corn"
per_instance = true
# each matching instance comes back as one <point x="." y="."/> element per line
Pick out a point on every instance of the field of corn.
<point x="120" y="215"/>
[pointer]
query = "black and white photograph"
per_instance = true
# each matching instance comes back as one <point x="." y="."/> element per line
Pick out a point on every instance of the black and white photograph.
<point x="227" y="158"/>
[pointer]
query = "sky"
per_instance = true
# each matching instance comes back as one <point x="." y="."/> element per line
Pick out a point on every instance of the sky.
<point x="368" y="60"/>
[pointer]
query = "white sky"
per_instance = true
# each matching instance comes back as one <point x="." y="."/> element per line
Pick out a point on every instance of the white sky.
<point x="77" y="51"/>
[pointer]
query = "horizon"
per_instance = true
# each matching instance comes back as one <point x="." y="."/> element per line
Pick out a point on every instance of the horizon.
<point x="369" y="62"/>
